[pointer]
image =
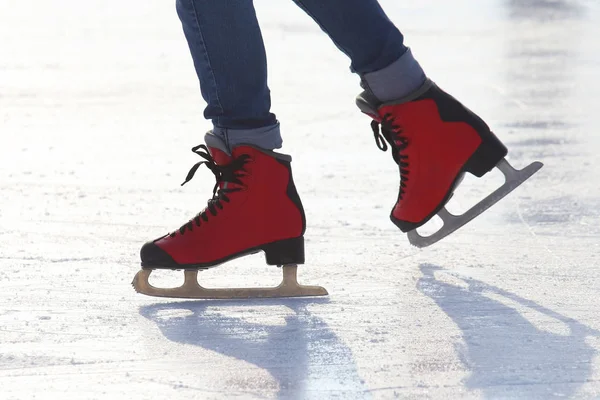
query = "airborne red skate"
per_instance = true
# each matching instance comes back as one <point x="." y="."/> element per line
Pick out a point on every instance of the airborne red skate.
<point x="435" y="140"/>
<point x="255" y="207"/>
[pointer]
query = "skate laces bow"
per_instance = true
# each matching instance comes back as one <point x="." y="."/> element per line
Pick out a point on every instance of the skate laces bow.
<point x="392" y="133"/>
<point x="230" y="173"/>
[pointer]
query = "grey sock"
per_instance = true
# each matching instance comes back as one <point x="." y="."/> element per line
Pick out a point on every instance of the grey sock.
<point x="268" y="137"/>
<point x="216" y="142"/>
<point x="397" y="80"/>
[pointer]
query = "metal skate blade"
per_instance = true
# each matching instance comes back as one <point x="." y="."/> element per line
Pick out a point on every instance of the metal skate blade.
<point x="513" y="179"/>
<point x="190" y="289"/>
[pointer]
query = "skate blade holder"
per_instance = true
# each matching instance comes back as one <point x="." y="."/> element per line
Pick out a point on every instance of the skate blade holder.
<point x="289" y="287"/>
<point x="513" y="178"/>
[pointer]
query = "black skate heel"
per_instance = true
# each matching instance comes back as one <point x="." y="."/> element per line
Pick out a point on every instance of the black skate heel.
<point x="491" y="150"/>
<point x="489" y="153"/>
<point x="283" y="252"/>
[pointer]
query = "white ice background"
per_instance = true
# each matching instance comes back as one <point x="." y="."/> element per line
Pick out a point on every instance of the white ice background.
<point x="99" y="106"/>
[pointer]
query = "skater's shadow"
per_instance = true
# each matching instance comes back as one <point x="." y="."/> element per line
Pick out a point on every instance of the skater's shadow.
<point x="513" y="347"/>
<point x="299" y="350"/>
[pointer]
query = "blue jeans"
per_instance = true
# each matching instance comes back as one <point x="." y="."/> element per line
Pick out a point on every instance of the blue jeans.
<point x="229" y="57"/>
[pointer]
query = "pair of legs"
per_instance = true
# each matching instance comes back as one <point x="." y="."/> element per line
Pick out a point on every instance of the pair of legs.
<point x="230" y="60"/>
<point x="433" y="139"/>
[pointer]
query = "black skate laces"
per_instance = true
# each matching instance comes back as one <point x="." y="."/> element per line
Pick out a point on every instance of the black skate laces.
<point x="393" y="134"/>
<point x="230" y="173"/>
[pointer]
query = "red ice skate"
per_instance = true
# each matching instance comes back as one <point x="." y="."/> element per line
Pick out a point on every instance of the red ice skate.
<point x="255" y="207"/>
<point x="434" y="140"/>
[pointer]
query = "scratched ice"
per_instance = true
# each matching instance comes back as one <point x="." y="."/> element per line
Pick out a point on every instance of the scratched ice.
<point x="98" y="109"/>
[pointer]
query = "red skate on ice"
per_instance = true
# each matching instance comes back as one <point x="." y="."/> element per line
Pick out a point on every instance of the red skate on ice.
<point x="434" y="140"/>
<point x="255" y="207"/>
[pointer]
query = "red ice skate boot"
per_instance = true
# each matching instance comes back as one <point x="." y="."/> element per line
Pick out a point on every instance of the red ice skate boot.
<point x="255" y="207"/>
<point x="434" y="139"/>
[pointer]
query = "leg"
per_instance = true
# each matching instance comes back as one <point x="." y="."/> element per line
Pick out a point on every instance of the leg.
<point x="229" y="57"/>
<point x="255" y="206"/>
<point x="434" y="139"/>
<point x="362" y="30"/>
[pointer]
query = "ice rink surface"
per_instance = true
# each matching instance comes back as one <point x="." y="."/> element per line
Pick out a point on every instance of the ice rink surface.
<point x="99" y="106"/>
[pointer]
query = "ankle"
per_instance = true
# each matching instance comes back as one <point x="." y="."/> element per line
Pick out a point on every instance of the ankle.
<point x="268" y="137"/>
<point x="397" y="80"/>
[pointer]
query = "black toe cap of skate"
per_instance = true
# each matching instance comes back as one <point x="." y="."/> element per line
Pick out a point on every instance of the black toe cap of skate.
<point x="405" y="226"/>
<point x="154" y="257"/>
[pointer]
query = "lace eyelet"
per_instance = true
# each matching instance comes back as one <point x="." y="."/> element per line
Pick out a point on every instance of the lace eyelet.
<point x="231" y="173"/>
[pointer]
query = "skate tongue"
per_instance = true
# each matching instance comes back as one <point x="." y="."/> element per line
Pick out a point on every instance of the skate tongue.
<point x="221" y="154"/>
<point x="218" y="149"/>
<point x="220" y="157"/>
